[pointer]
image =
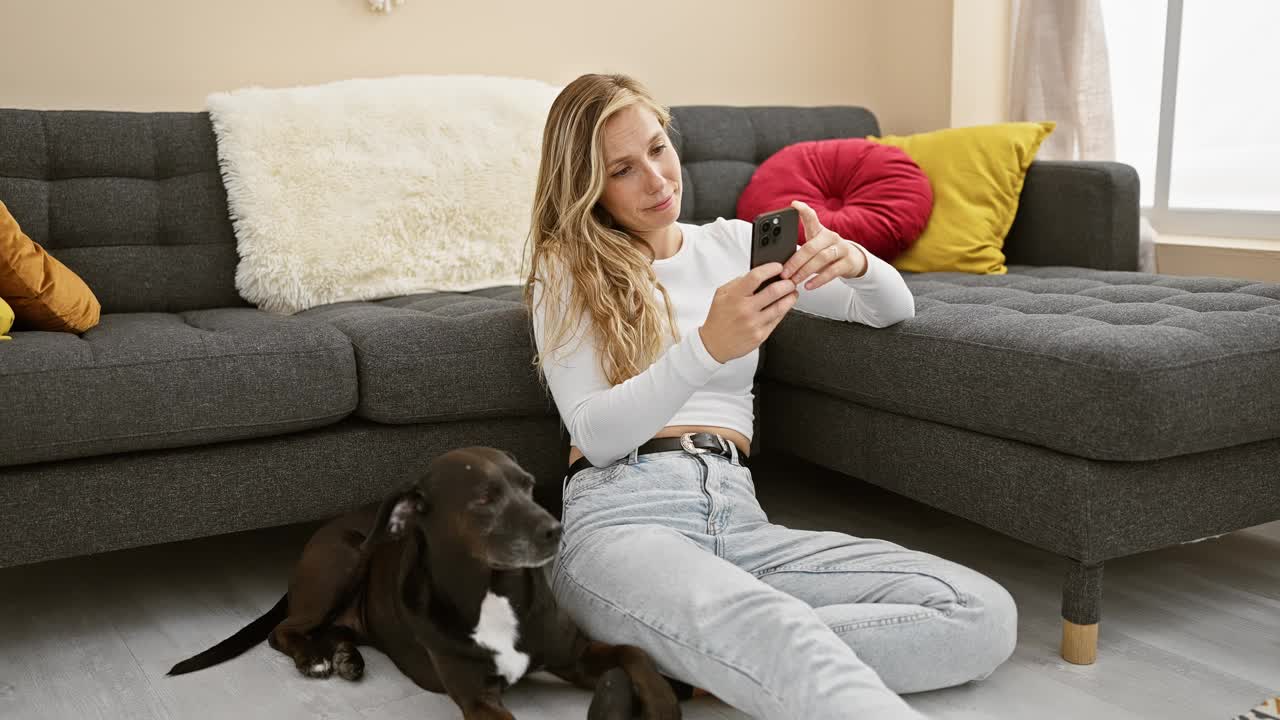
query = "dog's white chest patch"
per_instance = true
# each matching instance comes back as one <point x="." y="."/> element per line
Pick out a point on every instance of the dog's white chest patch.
<point x="498" y="630"/>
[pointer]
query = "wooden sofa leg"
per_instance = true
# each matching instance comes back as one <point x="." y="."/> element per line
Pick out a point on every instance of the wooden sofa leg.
<point x="1079" y="643"/>
<point x="1081" y="606"/>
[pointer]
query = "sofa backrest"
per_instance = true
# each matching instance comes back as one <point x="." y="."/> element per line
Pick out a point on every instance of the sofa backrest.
<point x="721" y="146"/>
<point x="134" y="202"/>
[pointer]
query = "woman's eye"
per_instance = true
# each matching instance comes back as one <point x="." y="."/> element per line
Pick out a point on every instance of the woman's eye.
<point x="655" y="152"/>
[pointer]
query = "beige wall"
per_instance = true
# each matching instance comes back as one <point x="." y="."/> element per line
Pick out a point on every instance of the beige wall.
<point x="980" y="39"/>
<point x="894" y="57"/>
<point x="919" y="64"/>
<point x="1251" y="258"/>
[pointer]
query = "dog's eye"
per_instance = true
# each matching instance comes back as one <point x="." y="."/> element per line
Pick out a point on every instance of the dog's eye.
<point x="487" y="496"/>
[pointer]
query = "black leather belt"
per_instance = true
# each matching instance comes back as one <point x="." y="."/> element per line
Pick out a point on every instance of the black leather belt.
<point x="692" y="443"/>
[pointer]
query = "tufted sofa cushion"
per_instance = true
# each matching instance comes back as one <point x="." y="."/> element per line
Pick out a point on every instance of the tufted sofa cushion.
<point x="131" y="202"/>
<point x="720" y="147"/>
<point x="140" y="381"/>
<point x="441" y="356"/>
<point x="134" y="202"/>
<point x="1103" y="365"/>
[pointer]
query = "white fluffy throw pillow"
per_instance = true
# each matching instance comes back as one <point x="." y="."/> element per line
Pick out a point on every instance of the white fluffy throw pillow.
<point x="366" y="189"/>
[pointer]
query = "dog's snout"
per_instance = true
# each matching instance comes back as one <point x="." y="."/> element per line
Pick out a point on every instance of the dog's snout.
<point x="550" y="532"/>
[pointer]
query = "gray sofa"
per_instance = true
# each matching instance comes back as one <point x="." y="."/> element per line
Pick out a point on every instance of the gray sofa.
<point x="1074" y="404"/>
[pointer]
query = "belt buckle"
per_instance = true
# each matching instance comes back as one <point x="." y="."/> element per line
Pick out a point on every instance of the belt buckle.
<point x="686" y="443"/>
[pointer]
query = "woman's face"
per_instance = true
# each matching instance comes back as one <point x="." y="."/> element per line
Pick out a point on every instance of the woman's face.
<point x="642" y="172"/>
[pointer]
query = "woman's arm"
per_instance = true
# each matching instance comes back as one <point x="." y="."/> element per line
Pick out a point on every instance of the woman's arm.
<point x="606" y="422"/>
<point x="879" y="297"/>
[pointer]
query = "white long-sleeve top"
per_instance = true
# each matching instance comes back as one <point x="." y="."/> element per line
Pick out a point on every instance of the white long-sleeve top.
<point x="686" y="385"/>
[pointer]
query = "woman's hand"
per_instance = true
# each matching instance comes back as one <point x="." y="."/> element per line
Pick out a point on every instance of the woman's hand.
<point x="740" y="319"/>
<point x="825" y="254"/>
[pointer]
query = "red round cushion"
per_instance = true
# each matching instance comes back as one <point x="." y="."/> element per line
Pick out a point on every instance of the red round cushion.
<point x="870" y="193"/>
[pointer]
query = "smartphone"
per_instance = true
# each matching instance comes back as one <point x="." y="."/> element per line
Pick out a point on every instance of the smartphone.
<point x="773" y="239"/>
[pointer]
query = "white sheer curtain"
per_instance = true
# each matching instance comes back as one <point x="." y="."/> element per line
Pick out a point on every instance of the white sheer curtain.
<point x="1060" y="72"/>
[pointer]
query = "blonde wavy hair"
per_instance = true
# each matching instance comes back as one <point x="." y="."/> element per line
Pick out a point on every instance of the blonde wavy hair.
<point x="575" y="240"/>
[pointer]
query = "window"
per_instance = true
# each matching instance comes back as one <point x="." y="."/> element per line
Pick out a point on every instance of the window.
<point x="1197" y="113"/>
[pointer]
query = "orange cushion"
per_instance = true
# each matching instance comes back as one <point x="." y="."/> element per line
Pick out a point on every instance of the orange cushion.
<point x="44" y="293"/>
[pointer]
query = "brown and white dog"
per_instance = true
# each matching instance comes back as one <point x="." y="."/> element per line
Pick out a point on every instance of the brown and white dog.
<point x="446" y="578"/>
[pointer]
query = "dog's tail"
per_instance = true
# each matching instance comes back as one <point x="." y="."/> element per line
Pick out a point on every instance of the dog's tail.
<point x="248" y="636"/>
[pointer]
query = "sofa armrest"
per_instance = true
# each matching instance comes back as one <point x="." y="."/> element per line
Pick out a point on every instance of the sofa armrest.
<point x="1083" y="214"/>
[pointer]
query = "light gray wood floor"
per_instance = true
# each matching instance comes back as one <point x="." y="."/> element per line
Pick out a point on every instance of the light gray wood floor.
<point x="1188" y="632"/>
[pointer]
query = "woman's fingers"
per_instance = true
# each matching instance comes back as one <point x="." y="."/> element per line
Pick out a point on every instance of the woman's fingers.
<point x="772" y="293"/>
<point x="834" y="261"/>
<point x="779" y="309"/>
<point x="809" y="217"/>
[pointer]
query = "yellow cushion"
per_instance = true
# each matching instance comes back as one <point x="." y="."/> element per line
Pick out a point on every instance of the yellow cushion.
<point x="976" y="174"/>
<point x="44" y="293"/>
<point x="6" y="319"/>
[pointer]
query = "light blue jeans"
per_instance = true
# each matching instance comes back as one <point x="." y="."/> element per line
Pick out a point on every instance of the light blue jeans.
<point x="671" y="552"/>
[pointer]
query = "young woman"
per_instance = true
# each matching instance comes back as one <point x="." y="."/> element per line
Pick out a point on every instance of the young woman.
<point x="647" y="332"/>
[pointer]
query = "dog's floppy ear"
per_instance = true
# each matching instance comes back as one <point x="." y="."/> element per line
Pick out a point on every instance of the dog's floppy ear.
<point x="398" y="513"/>
<point x="521" y="467"/>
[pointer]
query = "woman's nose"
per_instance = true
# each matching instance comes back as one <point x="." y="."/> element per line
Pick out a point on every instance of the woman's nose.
<point x="655" y="180"/>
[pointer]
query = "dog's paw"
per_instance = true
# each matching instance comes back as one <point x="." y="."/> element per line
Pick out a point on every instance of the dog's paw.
<point x="614" y="697"/>
<point x="659" y="700"/>
<point x="349" y="663"/>
<point x="661" y="711"/>
<point x="318" y="668"/>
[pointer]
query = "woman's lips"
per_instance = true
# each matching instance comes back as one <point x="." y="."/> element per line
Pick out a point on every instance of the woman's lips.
<point x="665" y="203"/>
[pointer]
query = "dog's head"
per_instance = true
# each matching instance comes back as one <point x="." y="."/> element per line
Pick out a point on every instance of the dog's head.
<point x="479" y="501"/>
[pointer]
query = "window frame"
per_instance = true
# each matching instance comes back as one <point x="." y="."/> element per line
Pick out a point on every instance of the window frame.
<point x="1192" y="221"/>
